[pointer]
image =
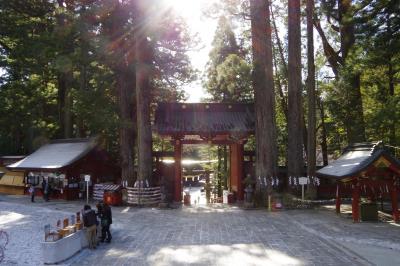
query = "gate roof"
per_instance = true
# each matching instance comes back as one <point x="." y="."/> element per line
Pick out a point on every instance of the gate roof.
<point x="204" y="119"/>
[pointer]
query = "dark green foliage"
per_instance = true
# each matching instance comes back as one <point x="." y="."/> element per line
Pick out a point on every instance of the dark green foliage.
<point x="228" y="75"/>
<point x="63" y="59"/>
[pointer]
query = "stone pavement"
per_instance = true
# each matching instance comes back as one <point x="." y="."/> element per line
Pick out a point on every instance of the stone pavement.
<point x="231" y="236"/>
<point x="228" y="235"/>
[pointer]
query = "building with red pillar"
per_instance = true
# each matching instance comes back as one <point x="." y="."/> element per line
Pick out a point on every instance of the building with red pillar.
<point x="64" y="163"/>
<point x="370" y="171"/>
<point x="207" y="123"/>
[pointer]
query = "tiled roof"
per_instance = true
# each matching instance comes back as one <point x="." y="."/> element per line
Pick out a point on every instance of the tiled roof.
<point x="355" y="159"/>
<point x="56" y="154"/>
<point x="204" y="118"/>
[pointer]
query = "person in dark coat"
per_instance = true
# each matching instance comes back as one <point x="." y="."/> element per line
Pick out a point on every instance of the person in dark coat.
<point x="89" y="222"/>
<point x="106" y="221"/>
<point x="45" y="190"/>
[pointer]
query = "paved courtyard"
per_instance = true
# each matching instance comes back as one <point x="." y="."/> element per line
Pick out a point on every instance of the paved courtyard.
<point x="221" y="235"/>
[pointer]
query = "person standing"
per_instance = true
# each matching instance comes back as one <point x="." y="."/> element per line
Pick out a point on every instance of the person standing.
<point x="99" y="213"/>
<point x="45" y="189"/>
<point x="32" y="192"/>
<point x="106" y="221"/>
<point x="89" y="222"/>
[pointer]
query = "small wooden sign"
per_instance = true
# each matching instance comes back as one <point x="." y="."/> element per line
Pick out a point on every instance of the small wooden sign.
<point x="303" y="180"/>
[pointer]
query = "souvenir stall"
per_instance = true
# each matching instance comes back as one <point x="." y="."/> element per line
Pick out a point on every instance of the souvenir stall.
<point x="11" y="182"/>
<point x="371" y="173"/>
<point x="64" y="164"/>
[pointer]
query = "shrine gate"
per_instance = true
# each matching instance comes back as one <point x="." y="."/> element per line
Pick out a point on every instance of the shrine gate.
<point x="207" y="123"/>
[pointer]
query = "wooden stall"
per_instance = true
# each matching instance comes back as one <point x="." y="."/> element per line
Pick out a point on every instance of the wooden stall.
<point x="11" y="182"/>
<point x="64" y="163"/>
<point x="370" y="171"/>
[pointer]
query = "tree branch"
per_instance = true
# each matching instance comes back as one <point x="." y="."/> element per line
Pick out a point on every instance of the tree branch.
<point x="333" y="58"/>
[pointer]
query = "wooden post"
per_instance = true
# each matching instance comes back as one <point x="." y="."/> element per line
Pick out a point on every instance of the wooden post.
<point x="178" y="170"/>
<point x="240" y="159"/>
<point x="355" y="202"/>
<point x="236" y="177"/>
<point x="338" y="199"/>
<point x="395" y="210"/>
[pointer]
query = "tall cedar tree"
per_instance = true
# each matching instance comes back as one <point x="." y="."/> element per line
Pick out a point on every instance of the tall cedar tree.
<point x="118" y="54"/>
<point x="295" y="108"/>
<point x="64" y="33"/>
<point x="266" y="149"/>
<point x="311" y="132"/>
<point x="228" y="73"/>
<point x="143" y="56"/>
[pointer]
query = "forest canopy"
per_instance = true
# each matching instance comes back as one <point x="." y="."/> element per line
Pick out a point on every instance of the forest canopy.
<point x="76" y="68"/>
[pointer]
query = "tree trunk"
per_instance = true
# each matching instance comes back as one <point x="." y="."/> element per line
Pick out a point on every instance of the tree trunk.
<point x="64" y="104"/>
<point x="311" y="129"/>
<point x="285" y="74"/>
<point x="354" y="119"/>
<point x="392" y="126"/>
<point x="143" y="87"/>
<point x="391" y="76"/>
<point x="127" y="136"/>
<point x="324" y="145"/>
<point x="295" y="134"/>
<point x="311" y="138"/>
<point x="65" y="76"/>
<point x="68" y="107"/>
<point x="266" y="147"/>
<point x="282" y="97"/>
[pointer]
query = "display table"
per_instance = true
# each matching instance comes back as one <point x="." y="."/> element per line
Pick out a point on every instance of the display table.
<point x="64" y="248"/>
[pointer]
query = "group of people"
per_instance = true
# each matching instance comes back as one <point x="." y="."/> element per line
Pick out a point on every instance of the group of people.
<point x="46" y="188"/>
<point x="93" y="221"/>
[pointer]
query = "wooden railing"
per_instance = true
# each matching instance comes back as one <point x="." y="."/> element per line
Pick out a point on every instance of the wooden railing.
<point x="144" y="196"/>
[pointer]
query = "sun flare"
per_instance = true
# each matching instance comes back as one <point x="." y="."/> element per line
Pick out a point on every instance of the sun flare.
<point x="185" y="8"/>
<point x="192" y="11"/>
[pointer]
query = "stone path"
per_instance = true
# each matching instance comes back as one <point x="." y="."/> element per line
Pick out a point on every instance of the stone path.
<point x="222" y="235"/>
<point x="216" y="236"/>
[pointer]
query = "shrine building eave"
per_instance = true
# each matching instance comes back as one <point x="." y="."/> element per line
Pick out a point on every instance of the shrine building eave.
<point x="358" y="160"/>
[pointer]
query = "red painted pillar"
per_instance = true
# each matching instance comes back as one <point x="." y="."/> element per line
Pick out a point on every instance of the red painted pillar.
<point x="395" y="209"/>
<point x="237" y="170"/>
<point x="178" y="170"/>
<point x="338" y="199"/>
<point x="240" y="150"/>
<point x="233" y="170"/>
<point x="356" y="202"/>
